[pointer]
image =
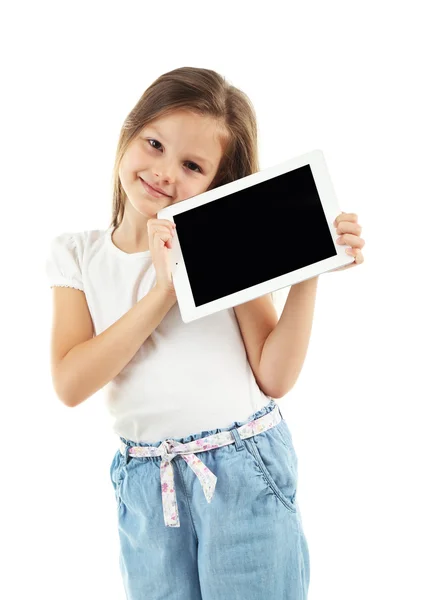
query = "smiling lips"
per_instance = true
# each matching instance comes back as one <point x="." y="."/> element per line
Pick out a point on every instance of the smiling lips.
<point x="152" y="191"/>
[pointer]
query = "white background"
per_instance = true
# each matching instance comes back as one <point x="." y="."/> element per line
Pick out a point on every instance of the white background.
<point x="353" y="79"/>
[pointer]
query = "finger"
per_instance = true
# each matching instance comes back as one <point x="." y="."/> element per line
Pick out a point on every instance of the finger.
<point x="345" y="217"/>
<point x="335" y="222"/>
<point x="160" y="223"/>
<point x="163" y="236"/>
<point x="356" y="253"/>
<point x="359" y="257"/>
<point x="349" y="227"/>
<point x="162" y="228"/>
<point x="349" y="239"/>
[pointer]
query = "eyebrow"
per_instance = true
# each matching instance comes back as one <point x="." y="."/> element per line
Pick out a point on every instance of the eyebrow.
<point x="196" y="157"/>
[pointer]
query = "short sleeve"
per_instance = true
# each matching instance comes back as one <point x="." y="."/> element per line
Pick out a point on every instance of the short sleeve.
<point x="62" y="264"/>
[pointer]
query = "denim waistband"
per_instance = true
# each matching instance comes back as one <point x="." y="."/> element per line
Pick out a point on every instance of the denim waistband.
<point x="168" y="449"/>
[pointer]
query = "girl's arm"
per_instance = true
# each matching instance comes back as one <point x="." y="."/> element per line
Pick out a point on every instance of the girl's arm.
<point x="285" y="348"/>
<point x="90" y="365"/>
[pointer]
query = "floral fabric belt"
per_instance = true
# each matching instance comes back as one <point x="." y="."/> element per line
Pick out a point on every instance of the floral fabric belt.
<point x="169" y="449"/>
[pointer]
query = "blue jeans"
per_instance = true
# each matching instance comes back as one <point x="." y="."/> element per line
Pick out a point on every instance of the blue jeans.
<point x="246" y="544"/>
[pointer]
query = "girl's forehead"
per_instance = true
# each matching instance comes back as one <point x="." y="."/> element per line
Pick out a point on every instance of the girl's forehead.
<point x="190" y="122"/>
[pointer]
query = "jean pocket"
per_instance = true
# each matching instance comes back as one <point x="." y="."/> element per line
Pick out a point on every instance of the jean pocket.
<point x="285" y="435"/>
<point x="276" y="461"/>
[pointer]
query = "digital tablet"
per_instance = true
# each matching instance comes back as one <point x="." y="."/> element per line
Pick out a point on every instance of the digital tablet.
<point x="253" y="236"/>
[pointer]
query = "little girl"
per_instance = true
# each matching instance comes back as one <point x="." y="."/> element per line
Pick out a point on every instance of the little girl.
<point x="205" y="477"/>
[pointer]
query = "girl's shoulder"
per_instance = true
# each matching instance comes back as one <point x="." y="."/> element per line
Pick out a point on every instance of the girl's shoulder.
<point x="66" y="255"/>
<point x="78" y="240"/>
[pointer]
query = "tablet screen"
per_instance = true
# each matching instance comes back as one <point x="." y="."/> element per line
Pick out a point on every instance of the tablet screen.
<point x="250" y="236"/>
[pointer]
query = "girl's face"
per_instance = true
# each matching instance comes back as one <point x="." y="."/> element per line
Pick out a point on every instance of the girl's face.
<point x="178" y="153"/>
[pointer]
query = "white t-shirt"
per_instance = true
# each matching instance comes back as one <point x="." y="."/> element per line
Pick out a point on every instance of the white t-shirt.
<point x="186" y="378"/>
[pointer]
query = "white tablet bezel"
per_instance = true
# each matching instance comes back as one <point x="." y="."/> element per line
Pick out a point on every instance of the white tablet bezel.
<point x="315" y="158"/>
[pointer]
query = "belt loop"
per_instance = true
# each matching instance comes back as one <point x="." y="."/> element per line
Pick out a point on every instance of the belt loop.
<point x="238" y="442"/>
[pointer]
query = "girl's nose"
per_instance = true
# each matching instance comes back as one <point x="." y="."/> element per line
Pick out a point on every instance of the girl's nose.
<point x="165" y="172"/>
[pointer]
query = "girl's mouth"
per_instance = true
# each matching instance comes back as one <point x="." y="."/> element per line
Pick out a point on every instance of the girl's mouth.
<point x="152" y="191"/>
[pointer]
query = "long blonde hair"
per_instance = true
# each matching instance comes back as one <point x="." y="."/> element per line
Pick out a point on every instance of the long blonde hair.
<point x="203" y="92"/>
<point x="206" y="93"/>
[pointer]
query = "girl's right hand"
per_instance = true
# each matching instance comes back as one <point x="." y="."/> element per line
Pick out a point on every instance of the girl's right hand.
<point x="160" y="235"/>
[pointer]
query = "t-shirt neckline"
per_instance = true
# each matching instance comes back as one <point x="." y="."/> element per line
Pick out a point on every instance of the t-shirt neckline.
<point x="119" y="252"/>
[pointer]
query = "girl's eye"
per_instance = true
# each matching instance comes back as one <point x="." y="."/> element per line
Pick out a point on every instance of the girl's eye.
<point x="191" y="163"/>
<point x="188" y="162"/>
<point x="154" y="141"/>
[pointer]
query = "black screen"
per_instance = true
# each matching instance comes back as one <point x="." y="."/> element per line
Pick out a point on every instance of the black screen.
<point x="253" y="235"/>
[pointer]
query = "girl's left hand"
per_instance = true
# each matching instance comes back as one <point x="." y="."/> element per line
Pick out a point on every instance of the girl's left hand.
<point x="349" y="231"/>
